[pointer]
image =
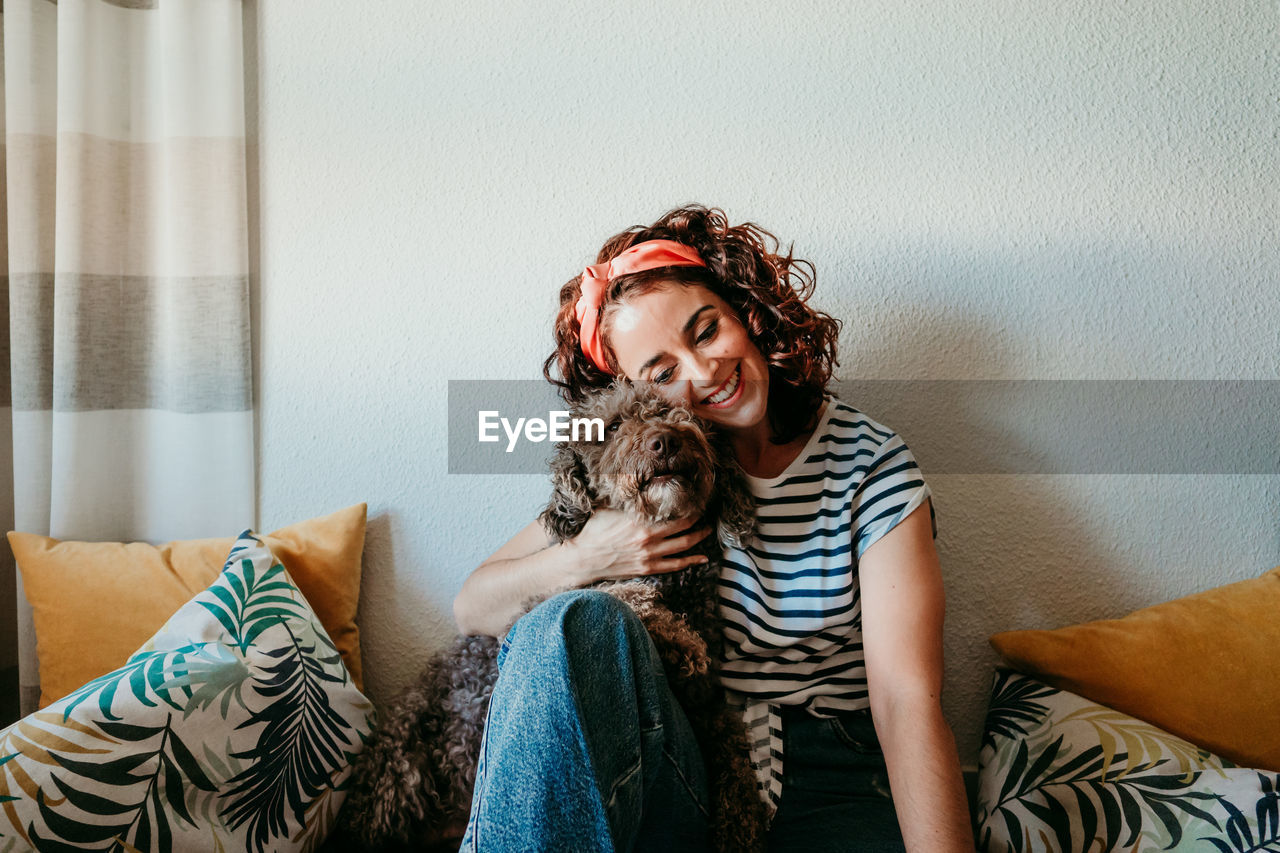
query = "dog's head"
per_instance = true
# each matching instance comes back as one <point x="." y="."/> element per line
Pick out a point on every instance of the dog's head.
<point x="656" y="461"/>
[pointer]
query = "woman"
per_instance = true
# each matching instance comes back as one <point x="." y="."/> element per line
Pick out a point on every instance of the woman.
<point x="833" y="611"/>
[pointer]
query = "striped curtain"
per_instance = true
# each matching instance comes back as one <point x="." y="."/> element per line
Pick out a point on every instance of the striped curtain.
<point x="127" y="261"/>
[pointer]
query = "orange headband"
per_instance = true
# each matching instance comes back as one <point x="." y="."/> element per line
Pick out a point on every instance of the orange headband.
<point x="648" y="255"/>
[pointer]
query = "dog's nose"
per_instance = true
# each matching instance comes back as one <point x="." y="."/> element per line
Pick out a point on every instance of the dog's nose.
<point x="664" y="444"/>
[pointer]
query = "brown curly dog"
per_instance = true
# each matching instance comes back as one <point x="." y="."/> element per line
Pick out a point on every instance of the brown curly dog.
<point x="413" y="783"/>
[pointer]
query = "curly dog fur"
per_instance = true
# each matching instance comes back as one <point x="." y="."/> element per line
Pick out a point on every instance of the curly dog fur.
<point x="413" y="782"/>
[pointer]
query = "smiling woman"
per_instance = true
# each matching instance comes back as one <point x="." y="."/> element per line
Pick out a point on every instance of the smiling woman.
<point x="740" y="300"/>
<point x="832" y="609"/>
<point x="690" y="343"/>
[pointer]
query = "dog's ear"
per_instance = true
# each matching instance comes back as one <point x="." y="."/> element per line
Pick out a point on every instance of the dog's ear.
<point x="571" y="498"/>
<point x="735" y="506"/>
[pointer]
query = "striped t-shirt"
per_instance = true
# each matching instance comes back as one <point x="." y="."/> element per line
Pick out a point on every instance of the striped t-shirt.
<point x="789" y="595"/>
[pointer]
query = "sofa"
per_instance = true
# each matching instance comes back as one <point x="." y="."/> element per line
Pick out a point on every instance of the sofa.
<point x="206" y="695"/>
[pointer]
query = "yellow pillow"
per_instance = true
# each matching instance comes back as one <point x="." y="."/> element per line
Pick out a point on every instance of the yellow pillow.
<point x="95" y="603"/>
<point x="1204" y="667"/>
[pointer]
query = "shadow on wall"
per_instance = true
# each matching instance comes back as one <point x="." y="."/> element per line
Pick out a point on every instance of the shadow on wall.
<point x="392" y="608"/>
<point x="1020" y="545"/>
<point x="970" y="435"/>
<point x="1026" y="552"/>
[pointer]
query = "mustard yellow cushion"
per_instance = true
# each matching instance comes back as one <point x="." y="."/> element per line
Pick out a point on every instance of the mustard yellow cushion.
<point x="1204" y="667"/>
<point x="95" y="603"/>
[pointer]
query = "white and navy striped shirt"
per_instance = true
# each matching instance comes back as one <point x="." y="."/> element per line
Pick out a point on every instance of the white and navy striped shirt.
<point x="789" y="595"/>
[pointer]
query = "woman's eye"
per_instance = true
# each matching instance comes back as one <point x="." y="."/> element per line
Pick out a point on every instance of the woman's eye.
<point x="708" y="333"/>
<point x="663" y="377"/>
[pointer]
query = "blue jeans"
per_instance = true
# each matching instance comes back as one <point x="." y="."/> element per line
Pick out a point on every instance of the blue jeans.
<point x="586" y="749"/>
<point x="835" y="787"/>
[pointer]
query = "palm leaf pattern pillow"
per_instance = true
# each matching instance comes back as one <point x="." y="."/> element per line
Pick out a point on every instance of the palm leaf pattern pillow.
<point x="1060" y="773"/>
<point x="233" y="728"/>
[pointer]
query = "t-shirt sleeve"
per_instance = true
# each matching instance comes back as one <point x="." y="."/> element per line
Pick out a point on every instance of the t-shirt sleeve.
<point x="892" y="488"/>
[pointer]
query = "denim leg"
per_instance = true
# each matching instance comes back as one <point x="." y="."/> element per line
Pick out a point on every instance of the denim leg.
<point x="835" y="789"/>
<point x="585" y="747"/>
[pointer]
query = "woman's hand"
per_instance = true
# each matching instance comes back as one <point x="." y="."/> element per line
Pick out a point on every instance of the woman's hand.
<point x="613" y="545"/>
<point x="530" y="566"/>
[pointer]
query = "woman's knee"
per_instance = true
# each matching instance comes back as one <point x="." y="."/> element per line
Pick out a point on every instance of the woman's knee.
<point x="576" y="621"/>
<point x="580" y="612"/>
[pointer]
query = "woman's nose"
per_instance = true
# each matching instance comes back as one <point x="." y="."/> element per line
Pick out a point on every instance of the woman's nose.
<point x="701" y="369"/>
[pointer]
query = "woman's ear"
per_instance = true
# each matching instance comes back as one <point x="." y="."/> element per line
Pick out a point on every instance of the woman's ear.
<point x="571" y="498"/>
<point x="734" y="504"/>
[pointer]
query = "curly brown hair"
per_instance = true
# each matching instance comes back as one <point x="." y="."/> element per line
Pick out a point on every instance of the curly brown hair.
<point x="768" y="290"/>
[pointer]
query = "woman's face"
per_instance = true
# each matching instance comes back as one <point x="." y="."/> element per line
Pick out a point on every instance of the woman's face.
<point x="690" y="344"/>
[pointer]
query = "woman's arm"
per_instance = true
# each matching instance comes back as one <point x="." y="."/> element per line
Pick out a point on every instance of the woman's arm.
<point x="527" y="565"/>
<point x="902" y="614"/>
<point x="530" y="566"/>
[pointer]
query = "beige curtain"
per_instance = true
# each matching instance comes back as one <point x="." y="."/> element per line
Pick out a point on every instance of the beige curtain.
<point x="127" y="266"/>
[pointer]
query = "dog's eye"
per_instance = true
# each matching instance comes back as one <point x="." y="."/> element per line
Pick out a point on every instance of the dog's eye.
<point x="613" y="426"/>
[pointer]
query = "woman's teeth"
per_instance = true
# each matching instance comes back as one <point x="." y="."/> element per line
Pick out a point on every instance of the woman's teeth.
<point x="728" y="390"/>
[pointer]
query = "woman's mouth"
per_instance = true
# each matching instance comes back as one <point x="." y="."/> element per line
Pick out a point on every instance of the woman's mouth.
<point x="728" y="393"/>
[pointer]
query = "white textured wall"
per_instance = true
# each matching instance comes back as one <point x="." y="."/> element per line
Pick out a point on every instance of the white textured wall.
<point x="1051" y="190"/>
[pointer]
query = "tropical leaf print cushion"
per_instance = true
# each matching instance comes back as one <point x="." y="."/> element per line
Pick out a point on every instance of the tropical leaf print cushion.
<point x="1060" y="773"/>
<point x="233" y="728"/>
